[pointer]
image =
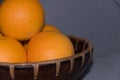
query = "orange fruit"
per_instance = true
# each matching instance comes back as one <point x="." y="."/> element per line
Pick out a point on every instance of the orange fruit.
<point x="49" y="46"/>
<point x="11" y="50"/>
<point x="21" y="19"/>
<point x="49" y="27"/>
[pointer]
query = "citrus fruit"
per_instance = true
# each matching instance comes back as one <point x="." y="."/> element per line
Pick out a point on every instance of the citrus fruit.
<point x="11" y="50"/>
<point x="49" y="27"/>
<point x="49" y="46"/>
<point x="21" y="19"/>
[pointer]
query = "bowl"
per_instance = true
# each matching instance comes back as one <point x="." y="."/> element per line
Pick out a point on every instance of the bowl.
<point x="59" y="69"/>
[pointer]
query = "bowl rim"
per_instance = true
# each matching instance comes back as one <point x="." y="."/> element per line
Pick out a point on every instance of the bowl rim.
<point x="30" y="64"/>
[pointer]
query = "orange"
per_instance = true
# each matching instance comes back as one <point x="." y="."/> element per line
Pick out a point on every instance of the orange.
<point x="11" y="50"/>
<point x="21" y="19"/>
<point x="49" y="27"/>
<point x="49" y="46"/>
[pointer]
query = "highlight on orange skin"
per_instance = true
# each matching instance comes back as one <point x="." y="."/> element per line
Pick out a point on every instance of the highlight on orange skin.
<point x="21" y="19"/>
<point x="11" y="51"/>
<point x="48" y="46"/>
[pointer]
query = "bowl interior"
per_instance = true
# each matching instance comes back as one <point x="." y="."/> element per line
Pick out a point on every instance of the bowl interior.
<point x="59" y="69"/>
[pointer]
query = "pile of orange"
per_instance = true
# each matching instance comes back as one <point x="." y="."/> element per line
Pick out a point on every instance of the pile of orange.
<point x="25" y="37"/>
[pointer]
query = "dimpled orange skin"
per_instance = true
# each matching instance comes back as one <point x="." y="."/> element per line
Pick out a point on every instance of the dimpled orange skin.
<point x="49" y="27"/>
<point x="46" y="46"/>
<point x="21" y="19"/>
<point x="11" y="51"/>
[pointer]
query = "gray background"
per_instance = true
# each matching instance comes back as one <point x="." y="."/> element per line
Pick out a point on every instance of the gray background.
<point x="96" y="20"/>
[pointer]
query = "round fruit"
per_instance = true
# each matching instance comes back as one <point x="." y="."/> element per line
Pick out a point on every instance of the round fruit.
<point x="49" y="27"/>
<point x="21" y="19"/>
<point x="48" y="46"/>
<point x="11" y="51"/>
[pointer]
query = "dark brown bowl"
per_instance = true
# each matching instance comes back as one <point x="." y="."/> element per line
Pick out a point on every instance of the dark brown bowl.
<point x="60" y="69"/>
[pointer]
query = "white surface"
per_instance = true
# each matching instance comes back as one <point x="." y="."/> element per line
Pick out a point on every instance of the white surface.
<point x="96" y="20"/>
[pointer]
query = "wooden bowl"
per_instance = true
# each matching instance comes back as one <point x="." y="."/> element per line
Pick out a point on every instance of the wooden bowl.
<point x="60" y="69"/>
